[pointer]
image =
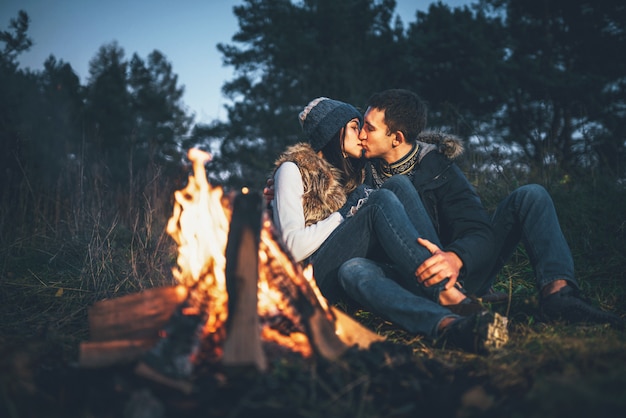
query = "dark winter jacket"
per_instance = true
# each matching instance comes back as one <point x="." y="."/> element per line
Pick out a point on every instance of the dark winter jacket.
<point x="461" y="221"/>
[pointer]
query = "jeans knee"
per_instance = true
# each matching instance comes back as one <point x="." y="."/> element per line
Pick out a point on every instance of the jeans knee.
<point x="398" y="181"/>
<point x="400" y="185"/>
<point x="384" y="197"/>
<point x="353" y="271"/>
<point x="534" y="193"/>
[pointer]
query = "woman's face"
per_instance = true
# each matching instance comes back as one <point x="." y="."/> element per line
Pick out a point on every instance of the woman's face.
<point x="351" y="142"/>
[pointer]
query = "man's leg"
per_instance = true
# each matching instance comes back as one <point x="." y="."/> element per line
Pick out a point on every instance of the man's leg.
<point x="528" y="215"/>
<point x="368" y="283"/>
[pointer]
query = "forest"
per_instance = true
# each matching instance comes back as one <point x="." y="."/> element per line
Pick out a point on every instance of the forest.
<point x="535" y="88"/>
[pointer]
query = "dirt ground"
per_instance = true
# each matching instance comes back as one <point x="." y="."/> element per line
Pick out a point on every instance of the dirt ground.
<point x="546" y="370"/>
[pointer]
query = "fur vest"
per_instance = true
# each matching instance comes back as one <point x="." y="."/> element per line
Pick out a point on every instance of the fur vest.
<point x="323" y="192"/>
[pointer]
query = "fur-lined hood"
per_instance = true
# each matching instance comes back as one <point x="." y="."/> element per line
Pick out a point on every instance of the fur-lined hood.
<point x="323" y="192"/>
<point x="449" y="145"/>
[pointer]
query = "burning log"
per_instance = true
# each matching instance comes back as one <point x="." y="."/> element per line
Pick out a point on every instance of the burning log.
<point x="352" y="333"/>
<point x="122" y="329"/>
<point x="149" y="310"/>
<point x="243" y="340"/>
<point x="171" y="360"/>
<point x="100" y="354"/>
<point x="300" y="299"/>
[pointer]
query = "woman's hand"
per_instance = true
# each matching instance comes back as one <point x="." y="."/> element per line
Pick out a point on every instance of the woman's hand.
<point x="268" y="191"/>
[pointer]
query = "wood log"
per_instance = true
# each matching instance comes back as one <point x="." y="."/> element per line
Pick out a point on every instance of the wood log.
<point x="170" y="361"/>
<point x="324" y="339"/>
<point x="243" y="341"/>
<point x="352" y="332"/>
<point x="109" y="353"/>
<point x="136" y="316"/>
<point x="310" y="305"/>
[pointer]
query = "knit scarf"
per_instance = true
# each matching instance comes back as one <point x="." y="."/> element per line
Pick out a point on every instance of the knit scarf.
<point x="381" y="171"/>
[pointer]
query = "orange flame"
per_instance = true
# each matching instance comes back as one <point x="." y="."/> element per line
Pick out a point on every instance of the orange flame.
<point x="200" y="224"/>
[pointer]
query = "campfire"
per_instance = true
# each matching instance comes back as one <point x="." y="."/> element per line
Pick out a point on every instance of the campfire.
<point x="240" y="298"/>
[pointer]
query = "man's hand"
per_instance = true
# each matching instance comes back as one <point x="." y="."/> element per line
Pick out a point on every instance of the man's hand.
<point x="268" y="191"/>
<point x="440" y="266"/>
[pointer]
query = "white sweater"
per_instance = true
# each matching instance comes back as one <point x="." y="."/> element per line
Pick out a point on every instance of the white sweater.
<point x="301" y="240"/>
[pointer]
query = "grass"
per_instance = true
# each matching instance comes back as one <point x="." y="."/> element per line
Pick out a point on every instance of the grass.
<point x="61" y="255"/>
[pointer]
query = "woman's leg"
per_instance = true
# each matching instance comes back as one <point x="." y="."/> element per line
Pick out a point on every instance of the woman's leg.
<point x="381" y="223"/>
<point x="402" y="187"/>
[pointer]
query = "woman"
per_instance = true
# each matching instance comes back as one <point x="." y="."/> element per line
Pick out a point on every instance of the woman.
<point x="326" y="217"/>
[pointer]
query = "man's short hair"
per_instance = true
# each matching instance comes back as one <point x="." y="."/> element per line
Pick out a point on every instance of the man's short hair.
<point x="404" y="111"/>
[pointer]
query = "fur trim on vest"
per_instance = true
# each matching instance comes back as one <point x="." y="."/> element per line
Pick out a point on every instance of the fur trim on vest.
<point x="323" y="192"/>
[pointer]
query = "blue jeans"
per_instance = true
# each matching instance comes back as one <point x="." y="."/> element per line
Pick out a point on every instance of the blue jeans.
<point x="528" y="216"/>
<point x="385" y="227"/>
<point x="369" y="283"/>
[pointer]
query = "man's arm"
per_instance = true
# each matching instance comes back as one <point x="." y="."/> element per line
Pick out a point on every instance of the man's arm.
<point x="465" y="232"/>
<point x="470" y="232"/>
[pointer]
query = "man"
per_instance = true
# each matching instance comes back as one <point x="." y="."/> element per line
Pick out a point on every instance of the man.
<point x="474" y="246"/>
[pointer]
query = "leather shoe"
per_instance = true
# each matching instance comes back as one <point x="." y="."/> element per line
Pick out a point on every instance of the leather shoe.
<point x="493" y="296"/>
<point x="480" y="333"/>
<point x="468" y="306"/>
<point x="567" y="305"/>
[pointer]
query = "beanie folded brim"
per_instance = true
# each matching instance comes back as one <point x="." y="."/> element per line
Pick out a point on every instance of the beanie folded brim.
<point x="328" y="126"/>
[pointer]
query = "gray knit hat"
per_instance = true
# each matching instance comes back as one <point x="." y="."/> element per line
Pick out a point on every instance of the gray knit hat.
<point x="322" y="118"/>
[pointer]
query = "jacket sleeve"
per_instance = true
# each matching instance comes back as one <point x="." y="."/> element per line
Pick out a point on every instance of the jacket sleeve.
<point x="288" y="214"/>
<point x="465" y="226"/>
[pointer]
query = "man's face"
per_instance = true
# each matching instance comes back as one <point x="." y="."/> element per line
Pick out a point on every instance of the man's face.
<point x="375" y="137"/>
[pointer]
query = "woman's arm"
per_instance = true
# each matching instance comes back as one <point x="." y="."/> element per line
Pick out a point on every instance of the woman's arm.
<point x="288" y="214"/>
